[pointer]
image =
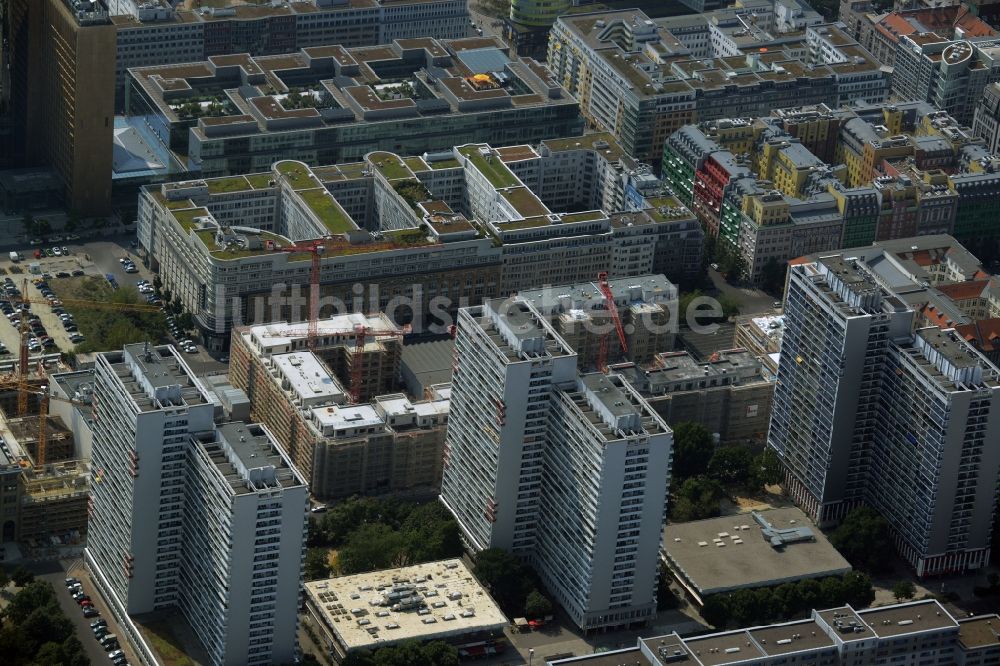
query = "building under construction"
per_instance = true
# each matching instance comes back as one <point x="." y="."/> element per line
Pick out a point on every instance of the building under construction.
<point x="581" y="314"/>
<point x="329" y="401"/>
<point x="44" y="493"/>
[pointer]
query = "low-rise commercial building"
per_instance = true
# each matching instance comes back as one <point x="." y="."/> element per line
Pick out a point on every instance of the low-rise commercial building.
<point x="433" y="601"/>
<point x="762" y="549"/>
<point x="921" y="631"/>
<point x="416" y="237"/>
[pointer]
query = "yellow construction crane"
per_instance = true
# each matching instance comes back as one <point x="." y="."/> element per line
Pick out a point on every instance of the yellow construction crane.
<point x="19" y="381"/>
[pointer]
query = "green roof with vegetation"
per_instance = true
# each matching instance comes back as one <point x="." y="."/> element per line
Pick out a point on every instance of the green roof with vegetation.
<point x="354" y="169"/>
<point x="229" y="184"/>
<point x="260" y="181"/>
<point x="187" y="217"/>
<point x="295" y="172"/>
<point x="525" y="202"/>
<point x="412" y="191"/>
<point x="390" y="165"/>
<point x="494" y="169"/>
<point x="179" y="205"/>
<point x="450" y="163"/>
<point x="415" y="163"/>
<point x="526" y="223"/>
<point x="408" y="237"/>
<point x="329" y="212"/>
<point x="660" y="204"/>
<point x="584" y="216"/>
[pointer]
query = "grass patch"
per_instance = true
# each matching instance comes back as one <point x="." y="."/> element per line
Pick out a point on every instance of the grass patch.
<point x="412" y="191"/>
<point x="179" y="205"/>
<point x="294" y="172"/>
<point x="415" y="163"/>
<point x="407" y="237"/>
<point x="109" y="328"/>
<point x="585" y="216"/>
<point x="327" y="210"/>
<point x="223" y="185"/>
<point x="166" y="645"/>
<point x="390" y="166"/>
<point x="260" y="181"/>
<point x="495" y="170"/>
<point x="524" y="202"/>
<point x="445" y="164"/>
<point x="187" y="217"/>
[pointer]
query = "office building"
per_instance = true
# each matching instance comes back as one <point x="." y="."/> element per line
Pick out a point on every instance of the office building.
<point x="162" y="472"/>
<point x="854" y="382"/>
<point x="465" y="224"/>
<point x="636" y="78"/>
<point x="915" y="632"/>
<point x="950" y="74"/>
<point x="233" y="114"/>
<point x="568" y="471"/>
<point x="346" y="440"/>
<point x="69" y="60"/>
<point x="880" y="33"/>
<point x="379" y="609"/>
<point x="986" y="119"/>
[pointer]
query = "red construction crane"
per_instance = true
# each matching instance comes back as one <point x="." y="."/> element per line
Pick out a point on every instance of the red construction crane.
<point x="316" y="249"/>
<point x="609" y="303"/>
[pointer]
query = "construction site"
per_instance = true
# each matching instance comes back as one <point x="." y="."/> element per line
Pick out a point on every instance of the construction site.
<point x="46" y="413"/>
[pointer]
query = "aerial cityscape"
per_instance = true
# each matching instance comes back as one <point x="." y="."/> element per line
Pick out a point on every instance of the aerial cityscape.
<point x="506" y="332"/>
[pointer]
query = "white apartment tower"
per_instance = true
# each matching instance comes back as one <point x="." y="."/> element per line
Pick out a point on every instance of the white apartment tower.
<point x="209" y="519"/>
<point x="868" y="410"/>
<point x="568" y="471"/>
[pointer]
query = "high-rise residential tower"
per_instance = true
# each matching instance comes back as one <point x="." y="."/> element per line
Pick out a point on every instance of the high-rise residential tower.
<point x="568" y="471"/>
<point x="186" y="514"/>
<point x="869" y="408"/>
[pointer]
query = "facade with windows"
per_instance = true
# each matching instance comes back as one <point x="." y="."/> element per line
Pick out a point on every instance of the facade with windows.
<point x="193" y="516"/>
<point x="867" y="411"/>
<point x="417" y="237"/>
<point x="569" y="471"/>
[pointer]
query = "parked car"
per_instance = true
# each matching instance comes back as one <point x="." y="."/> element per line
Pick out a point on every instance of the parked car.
<point x="99" y="623"/>
<point x="78" y="273"/>
<point x="90" y="611"/>
<point x="65" y="251"/>
<point x="70" y="582"/>
<point x="62" y="274"/>
<point x="57" y="251"/>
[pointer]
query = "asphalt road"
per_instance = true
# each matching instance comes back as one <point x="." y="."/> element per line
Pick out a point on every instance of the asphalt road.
<point x="752" y="301"/>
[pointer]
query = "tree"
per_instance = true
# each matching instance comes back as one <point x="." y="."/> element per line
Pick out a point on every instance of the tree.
<point x="505" y="577"/>
<point x="864" y="539"/>
<point x="693" y="448"/>
<point x="43" y="227"/>
<point x="732" y="467"/>
<point x="22" y="576"/>
<point x="904" y="589"/>
<point x="715" y="611"/>
<point x="185" y="321"/>
<point x="696" y="498"/>
<point x="537" y="605"/>
<point x="4" y="578"/>
<point x="28" y="224"/>
<point x="768" y="468"/>
<point x="35" y="594"/>
<point x="370" y="547"/>
<point x="773" y="276"/>
<point x="316" y="565"/>
<point x="72" y="221"/>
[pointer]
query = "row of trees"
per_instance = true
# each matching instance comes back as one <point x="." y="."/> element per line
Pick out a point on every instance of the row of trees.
<point x="514" y="586"/>
<point x="410" y="653"/>
<point x="764" y="605"/>
<point x="703" y="473"/>
<point x="35" y="631"/>
<point x="863" y="538"/>
<point x="378" y="533"/>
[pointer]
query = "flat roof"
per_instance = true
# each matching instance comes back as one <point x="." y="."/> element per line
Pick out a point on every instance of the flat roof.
<point x="308" y="376"/>
<point x="731" y="552"/>
<point x="282" y="335"/>
<point x="792" y="637"/>
<point x="979" y="632"/>
<point x="448" y="602"/>
<point x="918" y="616"/>
<point x="347" y="417"/>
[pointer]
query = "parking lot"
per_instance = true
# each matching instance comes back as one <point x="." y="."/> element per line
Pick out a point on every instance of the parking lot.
<point x="97" y="654"/>
<point x="99" y="258"/>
